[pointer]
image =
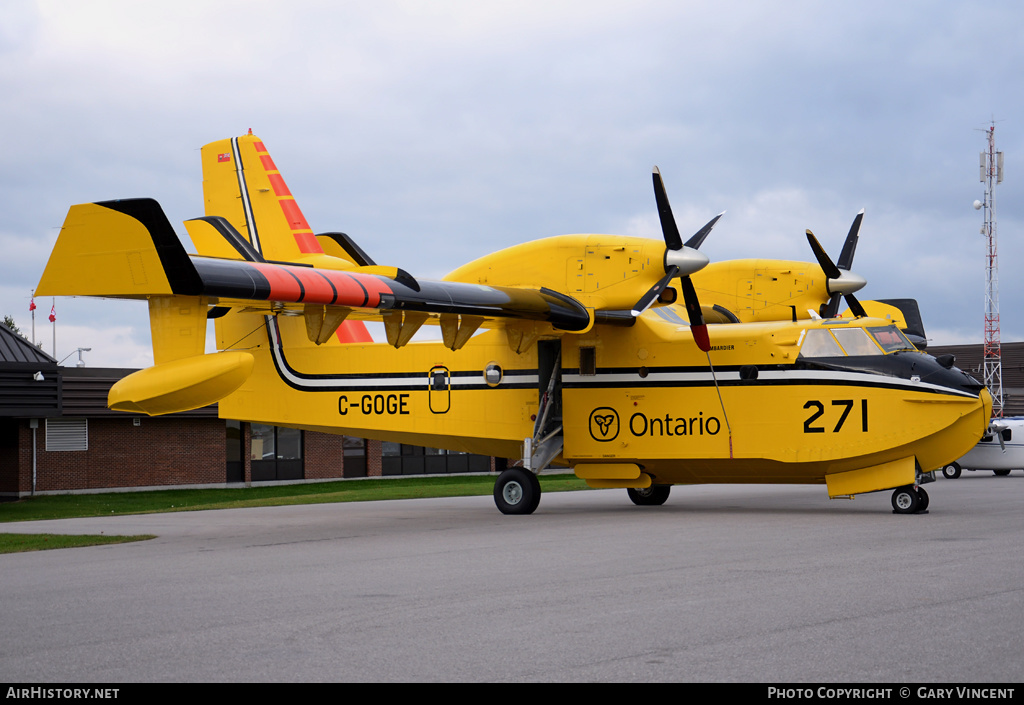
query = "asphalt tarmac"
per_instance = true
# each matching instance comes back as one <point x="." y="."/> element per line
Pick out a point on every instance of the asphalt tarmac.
<point x="762" y="584"/>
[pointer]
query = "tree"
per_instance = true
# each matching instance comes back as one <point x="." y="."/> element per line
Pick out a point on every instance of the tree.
<point x="9" y="322"/>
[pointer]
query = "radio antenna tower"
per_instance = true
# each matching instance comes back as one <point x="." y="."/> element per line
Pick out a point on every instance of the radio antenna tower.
<point x="991" y="175"/>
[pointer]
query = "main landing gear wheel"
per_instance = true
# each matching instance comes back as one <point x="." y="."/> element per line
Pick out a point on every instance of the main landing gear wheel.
<point x="1001" y="473"/>
<point x="652" y="496"/>
<point x="909" y="500"/>
<point x="951" y="471"/>
<point x="517" y="491"/>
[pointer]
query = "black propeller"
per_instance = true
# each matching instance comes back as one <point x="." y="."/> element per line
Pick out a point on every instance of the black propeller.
<point x="850" y="246"/>
<point x="681" y="260"/>
<point x="841" y="282"/>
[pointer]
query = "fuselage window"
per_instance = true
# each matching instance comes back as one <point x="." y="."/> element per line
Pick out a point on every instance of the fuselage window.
<point x="818" y="342"/>
<point x="492" y="374"/>
<point x="855" y="341"/>
<point x="438" y="380"/>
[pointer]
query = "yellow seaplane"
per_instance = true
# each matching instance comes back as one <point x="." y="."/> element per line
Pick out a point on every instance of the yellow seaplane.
<point x="569" y="350"/>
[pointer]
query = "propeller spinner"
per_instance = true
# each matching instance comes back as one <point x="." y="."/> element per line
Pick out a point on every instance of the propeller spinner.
<point x="681" y="260"/>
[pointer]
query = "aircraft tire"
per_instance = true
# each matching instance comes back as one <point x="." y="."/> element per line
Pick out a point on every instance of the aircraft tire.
<point x="517" y="491"/>
<point x="922" y="500"/>
<point x="652" y="496"/>
<point x="1001" y="473"/>
<point x="951" y="471"/>
<point x="535" y="481"/>
<point x="905" y="500"/>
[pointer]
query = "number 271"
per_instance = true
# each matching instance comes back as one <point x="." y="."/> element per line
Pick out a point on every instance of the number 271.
<point x="846" y="406"/>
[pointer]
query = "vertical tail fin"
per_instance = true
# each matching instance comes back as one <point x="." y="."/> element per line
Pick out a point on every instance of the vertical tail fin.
<point x="242" y="184"/>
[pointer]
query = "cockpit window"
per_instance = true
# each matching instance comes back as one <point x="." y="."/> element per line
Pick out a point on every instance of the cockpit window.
<point x="891" y="338"/>
<point x="855" y="341"/>
<point x="818" y="342"/>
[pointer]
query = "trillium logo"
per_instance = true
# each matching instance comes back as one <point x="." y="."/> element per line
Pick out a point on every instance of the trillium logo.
<point x="604" y="424"/>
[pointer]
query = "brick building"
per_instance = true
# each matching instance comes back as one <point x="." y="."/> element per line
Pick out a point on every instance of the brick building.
<point x="971" y="359"/>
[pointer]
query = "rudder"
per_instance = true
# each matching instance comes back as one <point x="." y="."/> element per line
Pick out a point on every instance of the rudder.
<point x="242" y="184"/>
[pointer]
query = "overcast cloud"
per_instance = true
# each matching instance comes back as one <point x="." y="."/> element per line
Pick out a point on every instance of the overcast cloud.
<point x="436" y="132"/>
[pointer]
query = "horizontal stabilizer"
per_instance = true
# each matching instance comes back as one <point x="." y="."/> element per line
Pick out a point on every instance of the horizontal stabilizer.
<point x="214" y="236"/>
<point x="121" y="248"/>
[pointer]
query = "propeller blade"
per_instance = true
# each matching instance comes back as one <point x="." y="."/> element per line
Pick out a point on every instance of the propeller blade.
<point x="855" y="308"/>
<point x="850" y="246"/>
<point x="826" y="263"/>
<point x="698" y="238"/>
<point x="654" y="292"/>
<point x="697" y="324"/>
<point x="832" y="307"/>
<point x="839" y="282"/>
<point x="996" y="429"/>
<point x="679" y="259"/>
<point x="668" y="223"/>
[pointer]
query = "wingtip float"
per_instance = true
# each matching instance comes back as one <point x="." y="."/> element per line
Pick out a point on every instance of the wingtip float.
<point x="570" y="349"/>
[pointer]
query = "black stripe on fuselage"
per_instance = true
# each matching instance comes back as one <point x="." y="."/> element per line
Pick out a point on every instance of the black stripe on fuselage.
<point x="911" y="371"/>
<point x="383" y="381"/>
<point x="722" y="381"/>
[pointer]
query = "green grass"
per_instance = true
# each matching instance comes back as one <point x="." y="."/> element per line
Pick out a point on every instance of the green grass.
<point x="18" y="543"/>
<point x="114" y="503"/>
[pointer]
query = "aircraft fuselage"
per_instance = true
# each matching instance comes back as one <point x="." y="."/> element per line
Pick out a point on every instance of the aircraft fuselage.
<point x="644" y="397"/>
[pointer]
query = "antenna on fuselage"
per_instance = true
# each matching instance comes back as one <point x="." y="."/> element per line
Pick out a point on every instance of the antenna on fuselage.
<point x="721" y="402"/>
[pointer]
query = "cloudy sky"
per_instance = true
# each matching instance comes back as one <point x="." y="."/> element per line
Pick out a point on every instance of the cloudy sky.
<point x="436" y="132"/>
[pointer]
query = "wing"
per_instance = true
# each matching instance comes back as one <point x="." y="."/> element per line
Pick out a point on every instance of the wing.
<point x="128" y="249"/>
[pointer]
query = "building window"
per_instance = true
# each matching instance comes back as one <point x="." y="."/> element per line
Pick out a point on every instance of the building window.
<point x="289" y="444"/>
<point x="275" y="453"/>
<point x="235" y="463"/>
<point x="67" y="434"/>
<point x="261" y="442"/>
<point x="401" y="459"/>
<point x="354" y="451"/>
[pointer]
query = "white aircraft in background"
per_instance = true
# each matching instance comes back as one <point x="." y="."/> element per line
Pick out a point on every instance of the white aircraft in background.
<point x="1000" y="450"/>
